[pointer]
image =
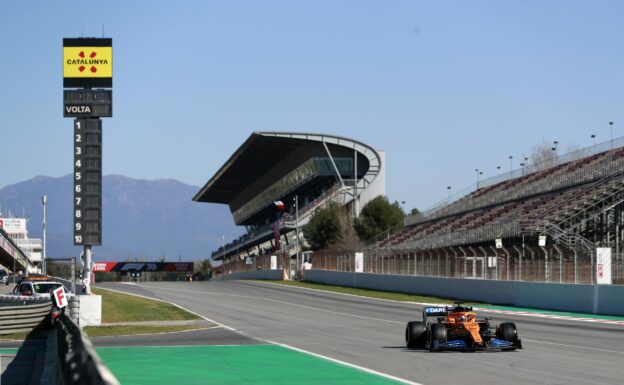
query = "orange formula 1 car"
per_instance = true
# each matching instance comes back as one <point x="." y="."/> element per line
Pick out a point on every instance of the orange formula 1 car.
<point x="458" y="328"/>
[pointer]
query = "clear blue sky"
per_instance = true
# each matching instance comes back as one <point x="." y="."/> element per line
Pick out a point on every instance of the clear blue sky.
<point x="442" y="86"/>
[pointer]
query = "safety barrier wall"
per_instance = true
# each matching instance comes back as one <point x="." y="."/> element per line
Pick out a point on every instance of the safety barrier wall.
<point x="273" y="275"/>
<point x="598" y="299"/>
<point x="22" y="314"/>
<point x="71" y="358"/>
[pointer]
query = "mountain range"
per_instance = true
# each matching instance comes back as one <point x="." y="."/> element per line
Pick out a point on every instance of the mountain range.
<point x="141" y="218"/>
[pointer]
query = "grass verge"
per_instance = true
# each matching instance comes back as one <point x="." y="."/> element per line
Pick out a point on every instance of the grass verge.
<point x="117" y="307"/>
<point x="120" y="330"/>
<point x="14" y="336"/>
<point x="368" y="292"/>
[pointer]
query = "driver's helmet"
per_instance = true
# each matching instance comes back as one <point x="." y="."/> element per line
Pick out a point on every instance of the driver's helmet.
<point x="461" y="318"/>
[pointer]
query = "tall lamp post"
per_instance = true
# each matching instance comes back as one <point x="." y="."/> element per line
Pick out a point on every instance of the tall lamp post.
<point x="44" y="201"/>
<point x="297" y="228"/>
<point x="223" y="246"/>
<point x="556" y="143"/>
<point x="449" y="193"/>
<point x="611" y="131"/>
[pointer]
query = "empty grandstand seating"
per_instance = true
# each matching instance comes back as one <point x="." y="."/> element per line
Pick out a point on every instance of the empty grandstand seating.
<point x="550" y="195"/>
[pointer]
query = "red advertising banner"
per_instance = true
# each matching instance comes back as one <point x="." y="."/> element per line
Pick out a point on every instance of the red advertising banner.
<point x="175" y="267"/>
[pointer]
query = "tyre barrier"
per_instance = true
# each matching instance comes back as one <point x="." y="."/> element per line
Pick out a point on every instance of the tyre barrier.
<point x="73" y="359"/>
<point x="73" y="308"/>
<point x="21" y="313"/>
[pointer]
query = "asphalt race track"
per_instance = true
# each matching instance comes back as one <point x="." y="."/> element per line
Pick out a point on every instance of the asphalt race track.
<point x="370" y="333"/>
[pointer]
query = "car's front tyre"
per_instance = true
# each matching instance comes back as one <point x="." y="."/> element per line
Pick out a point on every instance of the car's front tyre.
<point x="437" y="335"/>
<point x="507" y="331"/>
<point x="416" y="335"/>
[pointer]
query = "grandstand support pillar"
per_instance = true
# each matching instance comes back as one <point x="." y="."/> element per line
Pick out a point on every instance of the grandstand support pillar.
<point x="474" y="260"/>
<point x="483" y="267"/>
<point x="532" y="257"/>
<point x="421" y="264"/>
<point x="522" y="257"/>
<point x="331" y="158"/>
<point x="456" y="267"/>
<point x="519" y="251"/>
<point x="496" y="264"/>
<point x="507" y="258"/>
<point x="560" y="262"/>
<point x="438" y="262"/>
<point x="590" y="251"/>
<point x="465" y="257"/>
<point x="429" y="269"/>
<point x="546" y="272"/>
<point x="355" y="186"/>
<point x="575" y="266"/>
<point x="299" y="266"/>
<point x="446" y="262"/>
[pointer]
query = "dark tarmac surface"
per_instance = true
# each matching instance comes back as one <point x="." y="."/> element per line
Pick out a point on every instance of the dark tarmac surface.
<point x="370" y="333"/>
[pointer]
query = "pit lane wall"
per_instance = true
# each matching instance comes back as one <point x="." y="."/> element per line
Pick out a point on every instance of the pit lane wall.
<point x="596" y="299"/>
<point x="269" y="275"/>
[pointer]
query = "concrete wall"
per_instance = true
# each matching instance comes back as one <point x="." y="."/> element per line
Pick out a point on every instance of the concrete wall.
<point x="273" y="275"/>
<point x="375" y="189"/>
<point x="90" y="310"/>
<point x="564" y="297"/>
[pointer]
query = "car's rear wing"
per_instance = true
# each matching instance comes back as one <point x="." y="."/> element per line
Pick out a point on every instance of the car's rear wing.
<point x="437" y="311"/>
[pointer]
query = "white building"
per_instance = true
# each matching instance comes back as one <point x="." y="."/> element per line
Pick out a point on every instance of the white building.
<point x="16" y="229"/>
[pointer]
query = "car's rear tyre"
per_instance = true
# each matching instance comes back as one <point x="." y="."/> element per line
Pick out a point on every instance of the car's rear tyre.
<point x="437" y="335"/>
<point x="507" y="332"/>
<point x="415" y="335"/>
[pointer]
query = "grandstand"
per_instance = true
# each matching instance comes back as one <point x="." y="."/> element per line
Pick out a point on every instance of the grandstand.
<point x="573" y="203"/>
<point x="305" y="172"/>
<point x="12" y="256"/>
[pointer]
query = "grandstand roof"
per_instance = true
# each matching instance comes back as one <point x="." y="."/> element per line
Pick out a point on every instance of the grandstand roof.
<point x="262" y="151"/>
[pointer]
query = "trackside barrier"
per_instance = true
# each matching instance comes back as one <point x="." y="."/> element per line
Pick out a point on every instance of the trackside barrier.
<point x="272" y="275"/>
<point x="72" y="360"/>
<point x="21" y="313"/>
<point x="597" y="299"/>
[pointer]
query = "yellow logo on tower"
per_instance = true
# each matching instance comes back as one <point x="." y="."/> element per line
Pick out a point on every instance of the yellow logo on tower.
<point x="87" y="62"/>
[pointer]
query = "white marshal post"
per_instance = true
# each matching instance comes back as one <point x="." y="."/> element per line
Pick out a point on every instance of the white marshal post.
<point x="44" y="201"/>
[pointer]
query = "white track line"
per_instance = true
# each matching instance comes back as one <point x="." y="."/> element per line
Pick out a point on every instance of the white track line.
<point x="179" y="346"/>
<point x="171" y="303"/>
<point x="370" y="371"/>
<point x="157" y="334"/>
<point x="482" y="309"/>
<point x="574" y="346"/>
<point x="284" y="303"/>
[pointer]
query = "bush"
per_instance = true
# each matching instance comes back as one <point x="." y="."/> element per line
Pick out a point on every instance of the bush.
<point x="377" y="216"/>
<point x="324" y="227"/>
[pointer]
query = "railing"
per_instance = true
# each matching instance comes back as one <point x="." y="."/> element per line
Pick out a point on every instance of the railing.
<point x="77" y="361"/>
<point x="468" y="236"/>
<point x="265" y="230"/>
<point x="551" y="264"/>
<point x="603" y="168"/>
<point x="310" y="208"/>
<point x="524" y="171"/>
<point x="383" y="236"/>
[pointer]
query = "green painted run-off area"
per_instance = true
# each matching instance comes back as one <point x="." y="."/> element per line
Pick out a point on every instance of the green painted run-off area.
<point x="229" y="365"/>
